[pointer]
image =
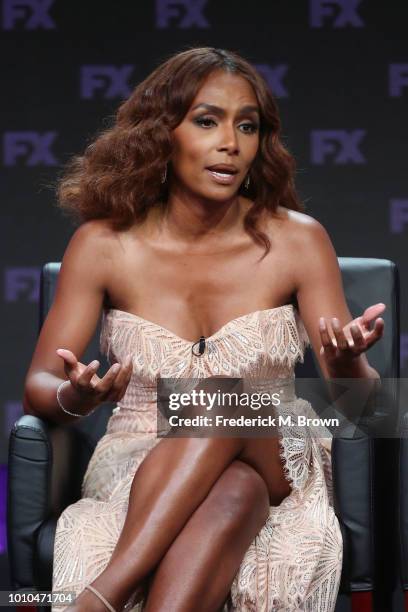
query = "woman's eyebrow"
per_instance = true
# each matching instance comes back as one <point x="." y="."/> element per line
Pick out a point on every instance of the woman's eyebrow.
<point x="249" y="108"/>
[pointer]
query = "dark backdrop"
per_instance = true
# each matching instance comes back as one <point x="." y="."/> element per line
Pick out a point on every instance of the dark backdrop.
<point x="339" y="69"/>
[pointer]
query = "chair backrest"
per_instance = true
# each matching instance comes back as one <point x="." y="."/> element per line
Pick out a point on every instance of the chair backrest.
<point x="367" y="281"/>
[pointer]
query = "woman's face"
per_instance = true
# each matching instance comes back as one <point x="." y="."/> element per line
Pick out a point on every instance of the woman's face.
<point x="220" y="128"/>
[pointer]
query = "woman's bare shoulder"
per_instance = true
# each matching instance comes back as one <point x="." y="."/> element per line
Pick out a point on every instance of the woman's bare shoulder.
<point x="293" y="225"/>
<point x="295" y="218"/>
<point x="89" y="254"/>
<point x="96" y="235"/>
<point x="96" y="229"/>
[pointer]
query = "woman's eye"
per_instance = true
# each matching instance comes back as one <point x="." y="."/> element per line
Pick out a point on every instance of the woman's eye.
<point x="253" y="127"/>
<point x="206" y="120"/>
<point x="202" y="120"/>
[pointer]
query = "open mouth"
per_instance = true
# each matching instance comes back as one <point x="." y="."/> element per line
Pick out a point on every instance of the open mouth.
<point x="225" y="178"/>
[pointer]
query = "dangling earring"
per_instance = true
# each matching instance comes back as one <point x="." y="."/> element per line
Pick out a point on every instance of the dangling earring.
<point x="246" y="182"/>
<point x="164" y="175"/>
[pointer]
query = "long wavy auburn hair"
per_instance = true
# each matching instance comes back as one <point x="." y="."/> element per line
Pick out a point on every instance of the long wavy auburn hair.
<point x="118" y="177"/>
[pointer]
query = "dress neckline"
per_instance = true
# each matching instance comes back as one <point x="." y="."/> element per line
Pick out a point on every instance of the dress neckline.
<point x="214" y="335"/>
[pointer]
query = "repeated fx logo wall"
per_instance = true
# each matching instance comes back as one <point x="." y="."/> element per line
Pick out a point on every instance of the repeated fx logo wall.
<point x="181" y="14"/>
<point x="29" y="148"/>
<point x="27" y="14"/>
<point x="335" y="13"/>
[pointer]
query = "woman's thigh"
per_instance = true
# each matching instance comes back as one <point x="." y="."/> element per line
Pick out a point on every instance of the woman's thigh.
<point x="264" y="455"/>
<point x="214" y="454"/>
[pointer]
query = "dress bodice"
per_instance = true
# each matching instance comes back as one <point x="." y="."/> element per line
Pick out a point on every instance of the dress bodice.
<point x="263" y="344"/>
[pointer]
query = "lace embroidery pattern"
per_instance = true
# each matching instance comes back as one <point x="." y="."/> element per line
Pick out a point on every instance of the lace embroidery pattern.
<point x="294" y="563"/>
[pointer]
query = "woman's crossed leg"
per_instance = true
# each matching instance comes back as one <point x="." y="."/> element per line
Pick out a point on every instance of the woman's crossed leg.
<point x="198" y="569"/>
<point x="171" y="483"/>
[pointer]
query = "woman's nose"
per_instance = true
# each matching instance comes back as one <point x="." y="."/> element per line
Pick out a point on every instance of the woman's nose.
<point x="228" y="139"/>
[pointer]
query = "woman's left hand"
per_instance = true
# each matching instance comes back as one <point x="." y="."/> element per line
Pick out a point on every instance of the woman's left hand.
<point x="353" y="339"/>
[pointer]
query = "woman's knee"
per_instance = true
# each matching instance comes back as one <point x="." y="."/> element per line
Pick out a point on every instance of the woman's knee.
<point x="242" y="493"/>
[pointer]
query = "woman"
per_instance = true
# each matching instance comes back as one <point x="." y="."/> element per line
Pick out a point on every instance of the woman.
<point x="171" y="201"/>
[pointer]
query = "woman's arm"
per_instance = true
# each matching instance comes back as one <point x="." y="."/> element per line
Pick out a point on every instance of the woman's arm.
<point x="71" y="322"/>
<point x="339" y="347"/>
<point x="320" y="294"/>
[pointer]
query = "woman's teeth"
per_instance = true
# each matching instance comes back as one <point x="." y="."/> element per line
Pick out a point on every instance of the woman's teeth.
<point x="221" y="173"/>
<point x="222" y="178"/>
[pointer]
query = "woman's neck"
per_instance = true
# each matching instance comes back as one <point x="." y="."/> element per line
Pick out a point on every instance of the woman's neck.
<point x="192" y="222"/>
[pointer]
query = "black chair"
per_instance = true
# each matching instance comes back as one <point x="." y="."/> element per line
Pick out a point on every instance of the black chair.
<point x="403" y="505"/>
<point x="365" y="468"/>
<point x="47" y="462"/>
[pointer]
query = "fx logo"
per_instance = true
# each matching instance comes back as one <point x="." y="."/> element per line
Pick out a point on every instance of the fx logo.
<point x="398" y="79"/>
<point x="33" y="147"/>
<point x="398" y="215"/>
<point x="274" y="76"/>
<point x="112" y="82"/>
<point x="32" y="13"/>
<point x="338" y="145"/>
<point x="192" y="9"/>
<point x="22" y="283"/>
<point x="403" y="349"/>
<point x="345" y="12"/>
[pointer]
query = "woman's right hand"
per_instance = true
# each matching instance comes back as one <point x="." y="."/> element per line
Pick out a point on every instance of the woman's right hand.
<point x="90" y="389"/>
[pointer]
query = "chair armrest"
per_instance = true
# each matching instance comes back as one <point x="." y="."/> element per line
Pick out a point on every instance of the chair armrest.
<point x="46" y="468"/>
<point x="353" y="484"/>
<point x="28" y="495"/>
<point x="403" y="505"/>
<point x="44" y="553"/>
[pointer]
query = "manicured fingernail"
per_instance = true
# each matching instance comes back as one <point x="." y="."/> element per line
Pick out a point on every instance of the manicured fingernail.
<point x="116" y="367"/>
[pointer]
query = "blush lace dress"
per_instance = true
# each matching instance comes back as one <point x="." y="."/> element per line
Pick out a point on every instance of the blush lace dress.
<point x="294" y="563"/>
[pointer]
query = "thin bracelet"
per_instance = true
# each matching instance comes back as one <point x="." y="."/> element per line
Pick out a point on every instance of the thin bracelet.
<point x="68" y="382"/>
<point x="101" y="597"/>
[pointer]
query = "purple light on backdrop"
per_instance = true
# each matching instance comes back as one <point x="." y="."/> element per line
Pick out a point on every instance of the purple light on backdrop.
<point x="398" y="215"/>
<point x="13" y="410"/>
<point x="336" y="146"/>
<point x="274" y="76"/>
<point x="3" y="506"/>
<point x="32" y="147"/>
<point x="22" y="284"/>
<point x="185" y="13"/>
<point x="32" y="14"/>
<point x="110" y="81"/>
<point x="398" y="79"/>
<point x="338" y="13"/>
